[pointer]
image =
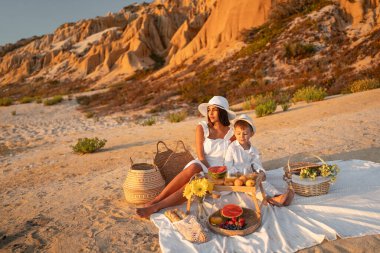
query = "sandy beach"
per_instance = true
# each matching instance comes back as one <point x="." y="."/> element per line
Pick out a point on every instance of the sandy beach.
<point x="53" y="200"/>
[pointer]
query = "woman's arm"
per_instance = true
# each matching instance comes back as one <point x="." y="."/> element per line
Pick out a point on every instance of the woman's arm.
<point x="199" y="139"/>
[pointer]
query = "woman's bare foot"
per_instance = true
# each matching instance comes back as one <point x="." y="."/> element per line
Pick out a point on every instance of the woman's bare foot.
<point x="145" y="212"/>
<point x="150" y="203"/>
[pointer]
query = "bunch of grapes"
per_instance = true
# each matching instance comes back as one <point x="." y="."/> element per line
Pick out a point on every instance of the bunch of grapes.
<point x="309" y="173"/>
<point x="233" y="224"/>
<point x="329" y="171"/>
<point x="325" y="171"/>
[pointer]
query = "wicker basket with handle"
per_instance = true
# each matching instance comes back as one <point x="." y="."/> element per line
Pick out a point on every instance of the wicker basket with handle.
<point x="143" y="183"/>
<point x="162" y="155"/>
<point x="169" y="162"/>
<point x="305" y="187"/>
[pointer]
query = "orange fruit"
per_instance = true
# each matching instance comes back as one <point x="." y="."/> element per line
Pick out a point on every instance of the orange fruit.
<point x="238" y="182"/>
<point x="250" y="183"/>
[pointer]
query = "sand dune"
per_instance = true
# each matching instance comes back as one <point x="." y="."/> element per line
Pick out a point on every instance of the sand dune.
<point x="53" y="200"/>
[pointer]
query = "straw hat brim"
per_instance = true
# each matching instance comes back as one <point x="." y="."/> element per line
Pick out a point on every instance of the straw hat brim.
<point x="203" y="110"/>
<point x="248" y="121"/>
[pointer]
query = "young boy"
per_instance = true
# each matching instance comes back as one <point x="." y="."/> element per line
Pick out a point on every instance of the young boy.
<point x="241" y="156"/>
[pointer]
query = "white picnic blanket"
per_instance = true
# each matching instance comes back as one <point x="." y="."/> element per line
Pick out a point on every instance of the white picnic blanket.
<point x="350" y="209"/>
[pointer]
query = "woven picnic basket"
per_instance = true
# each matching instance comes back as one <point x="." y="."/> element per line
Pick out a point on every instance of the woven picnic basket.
<point x="170" y="162"/>
<point x="143" y="183"/>
<point x="303" y="189"/>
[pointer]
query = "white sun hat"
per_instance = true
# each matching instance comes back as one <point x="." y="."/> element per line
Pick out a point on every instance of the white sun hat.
<point x="218" y="101"/>
<point x="246" y="118"/>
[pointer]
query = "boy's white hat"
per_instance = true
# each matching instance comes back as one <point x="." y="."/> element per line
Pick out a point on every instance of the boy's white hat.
<point x="220" y="102"/>
<point x="246" y="118"/>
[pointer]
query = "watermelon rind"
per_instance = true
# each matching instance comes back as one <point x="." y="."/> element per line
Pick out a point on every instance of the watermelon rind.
<point x="231" y="211"/>
<point x="217" y="172"/>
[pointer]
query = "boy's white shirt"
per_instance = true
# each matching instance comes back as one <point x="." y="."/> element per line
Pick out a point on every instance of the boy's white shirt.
<point x="239" y="158"/>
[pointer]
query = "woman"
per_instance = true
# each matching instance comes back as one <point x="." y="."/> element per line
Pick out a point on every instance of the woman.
<point x="212" y="139"/>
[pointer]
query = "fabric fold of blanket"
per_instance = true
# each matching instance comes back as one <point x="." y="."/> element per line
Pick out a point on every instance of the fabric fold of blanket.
<point x="350" y="209"/>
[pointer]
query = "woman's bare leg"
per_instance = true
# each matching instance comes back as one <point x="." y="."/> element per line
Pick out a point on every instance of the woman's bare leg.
<point x="177" y="183"/>
<point x="174" y="199"/>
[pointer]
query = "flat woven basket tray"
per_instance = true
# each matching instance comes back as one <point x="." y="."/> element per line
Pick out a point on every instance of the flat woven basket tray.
<point x="251" y="219"/>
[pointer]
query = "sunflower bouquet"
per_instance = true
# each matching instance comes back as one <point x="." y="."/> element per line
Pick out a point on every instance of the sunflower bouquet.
<point x="197" y="188"/>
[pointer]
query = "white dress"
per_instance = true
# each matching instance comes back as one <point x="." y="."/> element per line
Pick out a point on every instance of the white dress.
<point x="238" y="158"/>
<point x="214" y="149"/>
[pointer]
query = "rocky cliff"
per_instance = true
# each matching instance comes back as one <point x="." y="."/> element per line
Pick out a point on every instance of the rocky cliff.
<point x="170" y="34"/>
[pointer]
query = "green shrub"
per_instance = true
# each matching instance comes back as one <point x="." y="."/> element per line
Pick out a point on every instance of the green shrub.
<point x="309" y="94"/>
<point x="285" y="106"/>
<point x="38" y="100"/>
<point x="260" y="37"/>
<point x="149" y="122"/>
<point x="265" y="107"/>
<point x="249" y="103"/>
<point x="284" y="101"/>
<point x="299" y="50"/>
<point x="88" y="145"/>
<point x="26" y="100"/>
<point x="53" y="101"/>
<point x="177" y="116"/>
<point x="6" y="101"/>
<point x="364" y="84"/>
<point x="13" y="113"/>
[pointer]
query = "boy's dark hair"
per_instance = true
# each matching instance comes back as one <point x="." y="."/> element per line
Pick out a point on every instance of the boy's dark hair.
<point x="223" y="117"/>
<point x="243" y="125"/>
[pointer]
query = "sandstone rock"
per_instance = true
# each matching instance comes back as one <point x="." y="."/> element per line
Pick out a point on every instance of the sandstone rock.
<point x="106" y="49"/>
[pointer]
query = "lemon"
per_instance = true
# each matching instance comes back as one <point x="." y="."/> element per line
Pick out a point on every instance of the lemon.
<point x="216" y="220"/>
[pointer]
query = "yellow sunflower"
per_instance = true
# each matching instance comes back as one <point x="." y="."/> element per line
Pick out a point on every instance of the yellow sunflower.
<point x="199" y="187"/>
<point x="187" y="192"/>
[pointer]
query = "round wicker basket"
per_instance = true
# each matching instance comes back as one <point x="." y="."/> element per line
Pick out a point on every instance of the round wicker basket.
<point x="309" y="190"/>
<point x="143" y="183"/>
<point x="252" y="220"/>
<point x="306" y="188"/>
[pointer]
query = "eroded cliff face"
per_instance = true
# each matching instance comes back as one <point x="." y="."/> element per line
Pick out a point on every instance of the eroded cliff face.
<point x="363" y="14"/>
<point x="222" y="28"/>
<point x="164" y="33"/>
<point x="101" y="50"/>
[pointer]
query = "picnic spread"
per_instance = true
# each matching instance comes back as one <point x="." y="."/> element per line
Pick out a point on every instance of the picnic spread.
<point x="350" y="207"/>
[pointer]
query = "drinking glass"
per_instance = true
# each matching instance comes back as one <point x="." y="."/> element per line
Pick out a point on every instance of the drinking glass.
<point x="215" y="200"/>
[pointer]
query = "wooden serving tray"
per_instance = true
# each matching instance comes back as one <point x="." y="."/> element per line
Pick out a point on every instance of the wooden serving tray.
<point x="234" y="188"/>
<point x="252" y="190"/>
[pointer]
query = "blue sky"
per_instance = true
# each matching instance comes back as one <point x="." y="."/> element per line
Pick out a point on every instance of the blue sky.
<point x="25" y="18"/>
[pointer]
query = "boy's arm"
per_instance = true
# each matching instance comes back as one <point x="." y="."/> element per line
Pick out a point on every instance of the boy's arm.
<point x="256" y="161"/>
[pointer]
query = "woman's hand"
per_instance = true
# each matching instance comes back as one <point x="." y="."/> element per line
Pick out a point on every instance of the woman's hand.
<point x="263" y="176"/>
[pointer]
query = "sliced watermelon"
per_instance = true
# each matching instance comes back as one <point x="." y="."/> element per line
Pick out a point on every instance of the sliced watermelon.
<point x="231" y="211"/>
<point x="217" y="171"/>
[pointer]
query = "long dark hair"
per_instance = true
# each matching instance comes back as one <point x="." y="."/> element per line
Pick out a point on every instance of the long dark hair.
<point x="223" y="117"/>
